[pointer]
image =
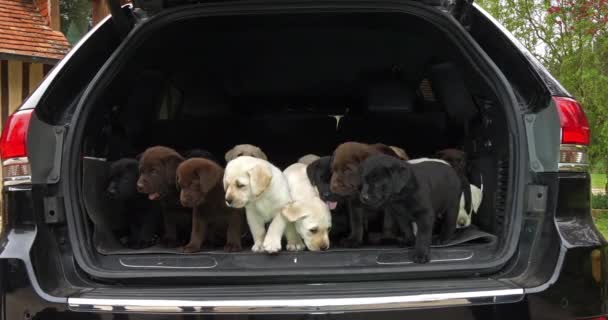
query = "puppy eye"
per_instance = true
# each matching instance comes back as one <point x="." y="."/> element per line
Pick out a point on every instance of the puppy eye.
<point x="239" y="185"/>
<point x="314" y="230"/>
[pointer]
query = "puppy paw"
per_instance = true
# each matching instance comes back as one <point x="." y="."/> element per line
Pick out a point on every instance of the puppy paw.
<point x="421" y="257"/>
<point x="257" y="247"/>
<point x="271" y="246"/>
<point x="190" y="248"/>
<point x="296" y="246"/>
<point x="232" y="247"/>
<point x="350" y="243"/>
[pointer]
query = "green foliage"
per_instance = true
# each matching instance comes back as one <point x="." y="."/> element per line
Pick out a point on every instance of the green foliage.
<point x="570" y="37"/>
<point x="599" y="201"/>
<point x="75" y="18"/>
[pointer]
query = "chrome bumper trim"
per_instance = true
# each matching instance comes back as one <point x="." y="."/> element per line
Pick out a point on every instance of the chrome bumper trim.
<point x="327" y="305"/>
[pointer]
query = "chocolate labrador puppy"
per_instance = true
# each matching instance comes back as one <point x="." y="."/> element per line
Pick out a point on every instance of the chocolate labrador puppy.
<point x="346" y="181"/>
<point x="143" y="216"/>
<point x="157" y="167"/>
<point x="200" y="182"/>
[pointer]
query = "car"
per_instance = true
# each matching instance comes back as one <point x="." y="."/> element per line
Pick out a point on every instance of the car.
<point x="300" y="77"/>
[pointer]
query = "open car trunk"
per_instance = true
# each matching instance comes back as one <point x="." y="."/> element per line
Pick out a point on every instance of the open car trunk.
<point x="294" y="84"/>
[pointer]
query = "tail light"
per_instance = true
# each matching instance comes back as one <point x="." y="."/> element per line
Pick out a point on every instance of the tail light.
<point x="13" y="149"/>
<point x="575" y="135"/>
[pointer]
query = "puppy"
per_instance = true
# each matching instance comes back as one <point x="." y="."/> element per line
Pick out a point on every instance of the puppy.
<point x="200" y="183"/>
<point x="400" y="153"/>
<point x="143" y="216"/>
<point x="310" y="214"/>
<point x="346" y="181"/>
<point x="346" y="176"/>
<point x="157" y="167"/>
<point x="422" y="193"/>
<point x="464" y="215"/>
<point x="245" y="150"/>
<point x="458" y="160"/>
<point x="308" y="159"/>
<point x="261" y="188"/>
<point x="319" y="175"/>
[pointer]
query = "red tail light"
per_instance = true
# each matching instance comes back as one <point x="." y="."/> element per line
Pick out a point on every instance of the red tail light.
<point x="14" y="135"/>
<point x="13" y="148"/>
<point x="575" y="128"/>
<point x="575" y="135"/>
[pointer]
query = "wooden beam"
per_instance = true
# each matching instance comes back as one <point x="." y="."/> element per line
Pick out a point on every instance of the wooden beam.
<point x="36" y="75"/>
<point x="15" y="82"/>
<point x="54" y="15"/>
<point x="25" y="80"/>
<point x="3" y="91"/>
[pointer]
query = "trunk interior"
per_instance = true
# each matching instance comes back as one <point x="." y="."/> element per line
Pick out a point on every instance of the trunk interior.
<point x="295" y="85"/>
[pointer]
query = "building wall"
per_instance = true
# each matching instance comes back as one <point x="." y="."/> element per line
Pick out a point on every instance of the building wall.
<point x="17" y="80"/>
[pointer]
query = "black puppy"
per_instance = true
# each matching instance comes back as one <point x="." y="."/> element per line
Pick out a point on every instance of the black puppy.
<point x="420" y="192"/>
<point x="143" y="216"/>
<point x="319" y="174"/>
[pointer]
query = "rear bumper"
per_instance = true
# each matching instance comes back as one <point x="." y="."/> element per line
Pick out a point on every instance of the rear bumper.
<point x="570" y="296"/>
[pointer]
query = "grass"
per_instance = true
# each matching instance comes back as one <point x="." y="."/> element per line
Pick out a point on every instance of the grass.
<point x="601" y="222"/>
<point x="598" y="180"/>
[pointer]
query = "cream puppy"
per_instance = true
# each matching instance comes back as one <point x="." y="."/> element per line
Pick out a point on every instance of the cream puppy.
<point x="261" y="188"/>
<point x="464" y="217"/>
<point x="308" y="159"/>
<point x="310" y="214"/>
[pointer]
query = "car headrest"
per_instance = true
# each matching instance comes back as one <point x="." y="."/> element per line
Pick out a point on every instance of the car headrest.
<point x="391" y="96"/>
<point x="451" y="91"/>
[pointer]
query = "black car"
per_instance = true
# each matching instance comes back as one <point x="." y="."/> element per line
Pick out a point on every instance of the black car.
<point x="298" y="77"/>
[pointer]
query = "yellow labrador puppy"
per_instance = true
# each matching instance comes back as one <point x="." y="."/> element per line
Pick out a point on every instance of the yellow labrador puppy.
<point x="261" y="188"/>
<point x="245" y="150"/>
<point x="308" y="159"/>
<point x="310" y="214"/>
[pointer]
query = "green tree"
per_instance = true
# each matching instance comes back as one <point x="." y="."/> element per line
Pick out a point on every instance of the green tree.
<point x="75" y="18"/>
<point x="570" y="37"/>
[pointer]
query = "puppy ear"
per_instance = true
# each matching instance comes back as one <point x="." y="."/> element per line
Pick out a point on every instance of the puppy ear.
<point x="209" y="176"/>
<point x="259" y="178"/>
<point x="384" y="149"/>
<point x="260" y="154"/>
<point x="293" y="212"/>
<point x="171" y="164"/>
<point x="229" y="155"/>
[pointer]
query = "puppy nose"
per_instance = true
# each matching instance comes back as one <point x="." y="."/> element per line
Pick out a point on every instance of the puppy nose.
<point x="324" y="247"/>
<point x="365" y="196"/>
<point x="229" y="201"/>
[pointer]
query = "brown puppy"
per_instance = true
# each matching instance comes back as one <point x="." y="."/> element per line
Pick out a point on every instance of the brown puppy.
<point x="346" y="181"/>
<point x="345" y="178"/>
<point x="157" y="167"/>
<point x="200" y="181"/>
